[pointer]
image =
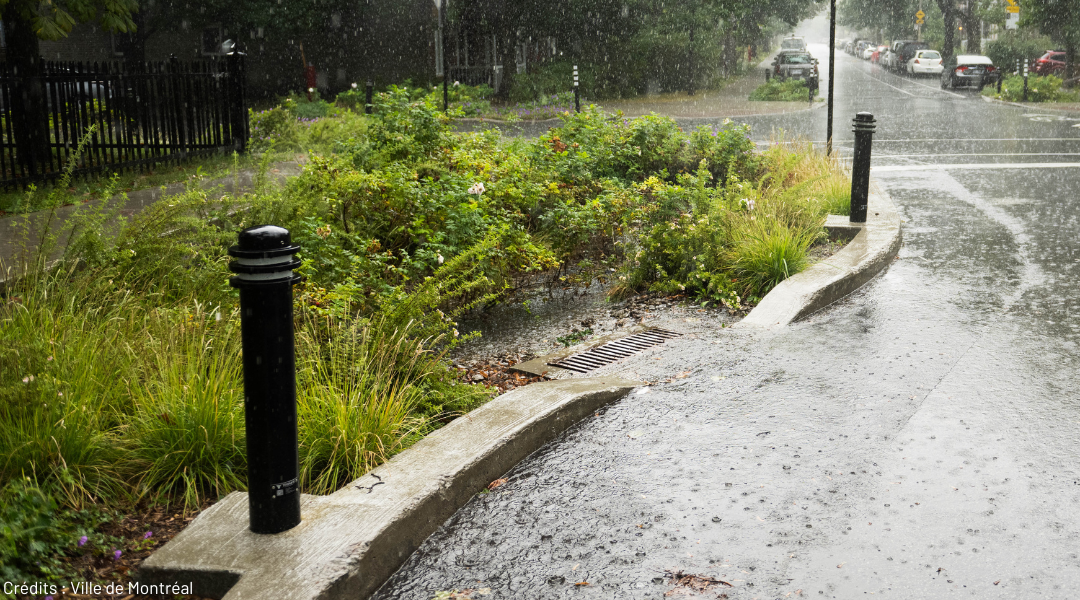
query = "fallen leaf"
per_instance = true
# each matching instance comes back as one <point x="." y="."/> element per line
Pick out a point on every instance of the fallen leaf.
<point x="635" y="434"/>
<point x="495" y="484"/>
<point x="582" y="583"/>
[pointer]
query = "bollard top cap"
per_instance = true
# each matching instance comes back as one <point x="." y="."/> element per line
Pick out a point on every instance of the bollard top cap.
<point x="263" y="241"/>
<point x="864" y="117"/>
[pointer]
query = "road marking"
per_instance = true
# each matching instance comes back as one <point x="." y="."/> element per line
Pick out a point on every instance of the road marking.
<point x="890" y="85"/>
<point x="864" y="72"/>
<point x="978" y="154"/>
<point x="876" y="141"/>
<point x="962" y="166"/>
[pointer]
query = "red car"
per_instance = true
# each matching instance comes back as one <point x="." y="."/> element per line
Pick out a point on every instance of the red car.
<point x="878" y="53"/>
<point x="1052" y="63"/>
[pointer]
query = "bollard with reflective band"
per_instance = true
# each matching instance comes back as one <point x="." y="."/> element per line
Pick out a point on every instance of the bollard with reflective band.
<point x="864" y="126"/>
<point x="577" y="96"/>
<point x="367" y="97"/>
<point x="264" y="274"/>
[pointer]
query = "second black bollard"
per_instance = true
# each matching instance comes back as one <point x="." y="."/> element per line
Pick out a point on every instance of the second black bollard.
<point x="864" y="126"/>
<point x="264" y="274"/>
<point x="367" y="96"/>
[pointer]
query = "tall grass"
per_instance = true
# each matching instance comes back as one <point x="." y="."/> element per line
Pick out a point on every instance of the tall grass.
<point x="185" y="436"/>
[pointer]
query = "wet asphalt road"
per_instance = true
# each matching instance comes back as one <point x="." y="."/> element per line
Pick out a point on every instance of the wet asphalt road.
<point x="916" y="440"/>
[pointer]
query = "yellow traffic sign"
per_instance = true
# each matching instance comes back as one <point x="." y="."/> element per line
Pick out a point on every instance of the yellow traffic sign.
<point x="919" y="15"/>
<point x="918" y="21"/>
<point x="1012" y="9"/>
<point x="1011" y="3"/>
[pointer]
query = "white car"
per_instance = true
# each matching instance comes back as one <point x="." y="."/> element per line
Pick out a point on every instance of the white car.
<point x="868" y="51"/>
<point x="925" y="62"/>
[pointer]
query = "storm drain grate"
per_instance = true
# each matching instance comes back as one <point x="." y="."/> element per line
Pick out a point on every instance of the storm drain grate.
<point x="613" y="351"/>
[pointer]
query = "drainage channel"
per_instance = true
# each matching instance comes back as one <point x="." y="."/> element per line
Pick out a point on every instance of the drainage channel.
<point x="610" y="352"/>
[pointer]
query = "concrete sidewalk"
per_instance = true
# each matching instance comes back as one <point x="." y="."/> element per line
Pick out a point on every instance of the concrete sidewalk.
<point x="733" y="100"/>
<point x="12" y="227"/>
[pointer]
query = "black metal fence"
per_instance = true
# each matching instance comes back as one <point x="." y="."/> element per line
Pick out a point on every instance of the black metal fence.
<point x="137" y="114"/>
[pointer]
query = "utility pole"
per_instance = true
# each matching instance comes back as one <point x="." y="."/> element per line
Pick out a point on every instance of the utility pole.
<point x="832" y="73"/>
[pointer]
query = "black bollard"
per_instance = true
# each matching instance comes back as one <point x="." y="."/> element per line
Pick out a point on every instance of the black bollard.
<point x="810" y="92"/>
<point x="577" y="97"/>
<point x="367" y="101"/>
<point x="864" y="126"/>
<point x="263" y="267"/>
<point x="1025" y="79"/>
<point x="768" y="74"/>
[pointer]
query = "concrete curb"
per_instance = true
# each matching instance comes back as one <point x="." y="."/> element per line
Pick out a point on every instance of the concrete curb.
<point x="871" y="250"/>
<point x="351" y="541"/>
<point x="1033" y="105"/>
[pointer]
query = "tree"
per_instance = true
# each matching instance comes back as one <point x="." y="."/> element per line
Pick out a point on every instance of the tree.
<point x="25" y="23"/>
<point x="1059" y="19"/>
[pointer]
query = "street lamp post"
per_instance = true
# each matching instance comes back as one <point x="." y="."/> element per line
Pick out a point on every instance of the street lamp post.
<point x="442" y="54"/>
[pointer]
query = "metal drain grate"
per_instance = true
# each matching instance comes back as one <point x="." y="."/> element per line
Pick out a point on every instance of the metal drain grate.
<point x="613" y="351"/>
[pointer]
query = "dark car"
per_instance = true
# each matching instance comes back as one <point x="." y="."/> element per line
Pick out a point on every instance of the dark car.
<point x="797" y="65"/>
<point x="968" y="70"/>
<point x="1051" y="63"/>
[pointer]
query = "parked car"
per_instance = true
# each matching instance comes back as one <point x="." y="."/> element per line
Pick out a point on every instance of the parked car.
<point x="892" y="55"/>
<point x="968" y="70"/>
<point x="797" y="65"/>
<point x="1051" y="63"/>
<point x="925" y="61"/>
<point x="905" y="52"/>
<point x="792" y="43"/>
<point x="878" y="51"/>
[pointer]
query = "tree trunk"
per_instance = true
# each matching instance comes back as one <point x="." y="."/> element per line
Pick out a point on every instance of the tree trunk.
<point x="949" y="16"/>
<point x="29" y="111"/>
<point x="971" y="28"/>
<point x="691" y="88"/>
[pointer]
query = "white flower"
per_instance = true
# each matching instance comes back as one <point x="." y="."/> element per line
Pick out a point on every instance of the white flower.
<point x="311" y="90"/>
<point x="456" y="83"/>
<point x="749" y="204"/>
<point x="477" y="188"/>
<point x="354" y="85"/>
<point x="440" y="258"/>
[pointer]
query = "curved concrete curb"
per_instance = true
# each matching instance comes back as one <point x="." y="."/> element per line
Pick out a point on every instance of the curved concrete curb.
<point x="351" y="541"/>
<point x="871" y="250"/>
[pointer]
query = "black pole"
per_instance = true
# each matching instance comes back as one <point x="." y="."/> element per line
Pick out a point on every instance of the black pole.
<point x="577" y="96"/>
<point x="442" y="42"/>
<point x="832" y="73"/>
<point x="368" y="96"/>
<point x="265" y="278"/>
<point x="864" y="126"/>
<point x="1025" y="79"/>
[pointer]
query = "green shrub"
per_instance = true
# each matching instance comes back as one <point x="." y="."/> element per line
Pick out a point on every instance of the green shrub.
<point x="787" y="90"/>
<point x="36" y="531"/>
<point x="1041" y="88"/>
<point x="273" y="128"/>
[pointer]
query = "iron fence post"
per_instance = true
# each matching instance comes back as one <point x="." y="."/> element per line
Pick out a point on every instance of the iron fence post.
<point x="864" y="126"/>
<point x="367" y="96"/>
<point x="264" y="275"/>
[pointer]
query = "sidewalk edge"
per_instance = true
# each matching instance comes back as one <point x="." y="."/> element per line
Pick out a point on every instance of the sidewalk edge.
<point x="350" y="542"/>
<point x="866" y="255"/>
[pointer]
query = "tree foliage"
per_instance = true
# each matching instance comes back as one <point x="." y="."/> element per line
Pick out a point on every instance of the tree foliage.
<point x="54" y="19"/>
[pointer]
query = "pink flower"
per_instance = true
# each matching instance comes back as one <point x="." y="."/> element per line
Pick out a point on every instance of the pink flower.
<point x="82" y="541"/>
<point x="116" y="555"/>
<point x="147" y="535"/>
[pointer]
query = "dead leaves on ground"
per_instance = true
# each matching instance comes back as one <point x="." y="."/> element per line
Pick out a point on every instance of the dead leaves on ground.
<point x="686" y="584"/>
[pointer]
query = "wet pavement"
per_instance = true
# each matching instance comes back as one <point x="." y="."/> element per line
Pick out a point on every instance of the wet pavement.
<point x="916" y="440"/>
